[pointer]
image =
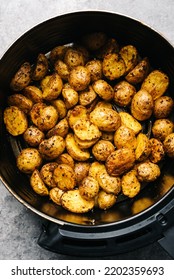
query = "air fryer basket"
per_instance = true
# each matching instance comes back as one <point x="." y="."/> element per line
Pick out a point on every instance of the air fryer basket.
<point x="154" y="205"/>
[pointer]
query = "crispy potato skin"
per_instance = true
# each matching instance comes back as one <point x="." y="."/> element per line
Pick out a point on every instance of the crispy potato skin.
<point x="37" y="184"/>
<point x="81" y="170"/>
<point x="61" y="129"/>
<point x="89" y="188"/>
<point x="163" y="107"/>
<point x="148" y="172"/>
<point x="85" y="130"/>
<point x="143" y="148"/>
<point x="161" y="128"/>
<point x="55" y="195"/>
<point x="109" y="183"/>
<point x="46" y="174"/>
<point x="130" y="184"/>
<point x="124" y="137"/>
<point x="20" y="101"/>
<point x="157" y="150"/>
<point x="67" y="159"/>
<point x="113" y="66"/>
<point x="129" y="54"/>
<point x="52" y="147"/>
<point x="33" y="93"/>
<point x="51" y="86"/>
<point x="74" y="150"/>
<point x="123" y="93"/>
<point x="41" y="67"/>
<point x="22" y="78"/>
<point x="64" y="177"/>
<point x="169" y="145"/>
<point x="79" y="78"/>
<point x="28" y="160"/>
<point x="33" y="136"/>
<point x="95" y="69"/>
<point x="102" y="149"/>
<point x="15" y="120"/>
<point x="103" y="89"/>
<point x="106" y="200"/>
<point x="139" y="72"/>
<point x="87" y="96"/>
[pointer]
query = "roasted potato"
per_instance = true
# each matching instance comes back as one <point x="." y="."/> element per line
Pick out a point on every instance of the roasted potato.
<point x="46" y="174"/>
<point x="129" y="54"/>
<point x="85" y="144"/>
<point x="22" y="78"/>
<point x="163" y="107"/>
<point x="55" y="195"/>
<point x="109" y="183"/>
<point x="61" y="68"/>
<point x="95" y="68"/>
<point x="103" y="89"/>
<point x="51" y="86"/>
<point x="139" y="72"/>
<point x="33" y="136"/>
<point x="111" y="46"/>
<point x="79" y="112"/>
<point x="85" y="130"/>
<point x="129" y="121"/>
<point x="20" y="101"/>
<point x="60" y="107"/>
<point x="89" y="188"/>
<point x="106" y="200"/>
<point x="64" y="177"/>
<point x="73" y="58"/>
<point x="113" y="66"/>
<point x="40" y="68"/>
<point x="148" y="171"/>
<point x="123" y="93"/>
<point x="87" y="96"/>
<point x="37" y="183"/>
<point x="28" y="160"/>
<point x="103" y="104"/>
<point x="33" y="93"/>
<point x="61" y="129"/>
<point x="169" y="145"/>
<point x="102" y="149"/>
<point x="129" y="184"/>
<point x="96" y="168"/>
<point x="52" y="147"/>
<point x="143" y="148"/>
<point x="157" y="150"/>
<point x="70" y="97"/>
<point x="124" y="137"/>
<point x="57" y="53"/>
<point x="81" y="170"/>
<point x="79" y="78"/>
<point x="161" y="128"/>
<point x="74" y="150"/>
<point x="65" y="158"/>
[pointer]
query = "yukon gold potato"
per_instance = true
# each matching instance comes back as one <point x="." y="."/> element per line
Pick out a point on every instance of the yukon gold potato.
<point x="60" y="107"/>
<point x="61" y="129"/>
<point x="74" y="150"/>
<point x="130" y="184"/>
<point x="64" y="177"/>
<point x="79" y="78"/>
<point x="161" y="128"/>
<point x="106" y="200"/>
<point x="106" y="119"/>
<point x="87" y="96"/>
<point x="103" y="104"/>
<point x="139" y="72"/>
<point x="142" y="105"/>
<point x="37" y="183"/>
<point x="28" y="160"/>
<point x="15" y="120"/>
<point x="120" y="161"/>
<point x="74" y="202"/>
<point x="52" y="147"/>
<point x="95" y="68"/>
<point x="129" y="55"/>
<point x="109" y="183"/>
<point x="113" y="66"/>
<point x="65" y="158"/>
<point x="102" y="149"/>
<point x="73" y="58"/>
<point x="163" y="107"/>
<point x="55" y="195"/>
<point x="157" y="150"/>
<point x="85" y="144"/>
<point x="148" y="171"/>
<point x="129" y="121"/>
<point x="95" y="168"/>
<point x="79" y="112"/>
<point x="70" y="97"/>
<point x="46" y="174"/>
<point x="124" y="137"/>
<point x="94" y="41"/>
<point x="143" y="148"/>
<point x="169" y="145"/>
<point x="81" y="170"/>
<point x="89" y="188"/>
<point x="44" y="116"/>
<point x="57" y="53"/>
<point x="156" y="83"/>
<point x="123" y="93"/>
<point x="61" y="68"/>
<point x="51" y="86"/>
<point x="33" y="93"/>
<point x="103" y="89"/>
<point x="40" y="68"/>
<point x="33" y="136"/>
<point x="20" y="101"/>
<point x="85" y="130"/>
<point x="22" y="78"/>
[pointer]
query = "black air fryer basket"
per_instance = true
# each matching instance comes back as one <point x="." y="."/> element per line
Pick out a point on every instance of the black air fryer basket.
<point x="131" y="223"/>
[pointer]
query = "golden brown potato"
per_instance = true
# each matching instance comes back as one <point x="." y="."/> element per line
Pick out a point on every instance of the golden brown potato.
<point x="81" y="170"/>
<point x="102" y="149"/>
<point x="129" y="121"/>
<point x="15" y="120"/>
<point x="120" y="161"/>
<point x="113" y="66"/>
<point x="46" y="174"/>
<point x="109" y="183"/>
<point x="40" y="68"/>
<point x="67" y="159"/>
<point x="123" y="93"/>
<point x="163" y="107"/>
<point x="20" y="101"/>
<point x="106" y="200"/>
<point x="148" y="171"/>
<point x="74" y="150"/>
<point x="37" y="184"/>
<point x="156" y="83"/>
<point x="52" y="147"/>
<point x="57" y="53"/>
<point x="161" y="128"/>
<point x="95" y="68"/>
<point x="96" y="168"/>
<point x="64" y="177"/>
<point x="103" y="89"/>
<point x="22" y="78"/>
<point x="130" y="184"/>
<point x="79" y="78"/>
<point x="79" y="112"/>
<point x="129" y="55"/>
<point x="73" y="58"/>
<point x="94" y="41"/>
<point x="33" y="93"/>
<point x="44" y="116"/>
<point x="85" y="130"/>
<point x="124" y="137"/>
<point x="61" y="129"/>
<point x="143" y="148"/>
<point x="139" y="73"/>
<point x="28" y="160"/>
<point x="103" y="104"/>
<point x="169" y="145"/>
<point x="55" y="195"/>
<point x="106" y="119"/>
<point x="61" y="68"/>
<point x="60" y="107"/>
<point x="157" y="150"/>
<point x="142" y="105"/>
<point x="89" y="188"/>
<point x="70" y="97"/>
<point x="87" y="96"/>
<point x="51" y="86"/>
<point x="33" y="136"/>
<point x="85" y="144"/>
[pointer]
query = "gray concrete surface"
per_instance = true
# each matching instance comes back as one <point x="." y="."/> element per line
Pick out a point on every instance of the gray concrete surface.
<point x="19" y="227"/>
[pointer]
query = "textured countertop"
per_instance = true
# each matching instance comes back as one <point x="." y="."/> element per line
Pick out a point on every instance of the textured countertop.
<point x="19" y="227"/>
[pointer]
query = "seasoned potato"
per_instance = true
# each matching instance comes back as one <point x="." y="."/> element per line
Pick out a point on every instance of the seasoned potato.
<point x="15" y="120"/>
<point x="74" y="202"/>
<point x="106" y="200"/>
<point x="87" y="96"/>
<point x="46" y="174"/>
<point x="64" y="177"/>
<point x="40" y="68"/>
<point x="67" y="159"/>
<point x="95" y="68"/>
<point x="143" y="148"/>
<point x="37" y="184"/>
<point x="156" y="83"/>
<point x="157" y="150"/>
<point x="79" y="78"/>
<point x="102" y="149"/>
<point x="44" y="116"/>
<point x="130" y="184"/>
<point x="70" y="97"/>
<point x="111" y="46"/>
<point x="52" y="147"/>
<point x="139" y="72"/>
<point x="169" y="145"/>
<point x="61" y="68"/>
<point x="109" y="183"/>
<point x="74" y="150"/>
<point x="95" y="169"/>
<point x="85" y="144"/>
<point x="81" y="170"/>
<point x="55" y="195"/>
<point x="129" y="121"/>
<point x="113" y="66"/>
<point x="120" y="161"/>
<point x="161" y="128"/>
<point x="28" y="160"/>
<point x="103" y="89"/>
<point x="142" y="105"/>
<point x="129" y="55"/>
<point x="33" y="93"/>
<point x="57" y="53"/>
<point x="51" y="86"/>
<point x="20" y="101"/>
<point x="73" y="58"/>
<point x="104" y="104"/>
<point x="148" y="171"/>
<point x="124" y="137"/>
<point x="33" y="136"/>
<point x="163" y="107"/>
<point x="22" y="78"/>
<point x="123" y="93"/>
<point x="60" y="107"/>
<point x="89" y="188"/>
<point x="61" y="129"/>
<point x="106" y="119"/>
<point x="94" y="41"/>
<point x="85" y="130"/>
<point x="79" y="112"/>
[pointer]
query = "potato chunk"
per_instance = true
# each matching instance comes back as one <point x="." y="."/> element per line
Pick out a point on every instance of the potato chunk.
<point x="64" y="177"/>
